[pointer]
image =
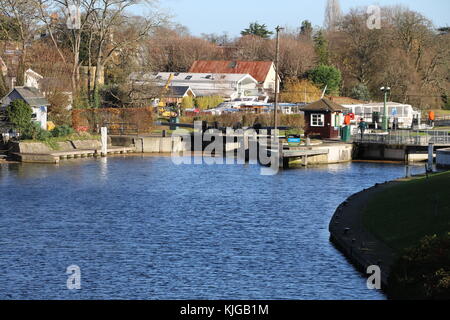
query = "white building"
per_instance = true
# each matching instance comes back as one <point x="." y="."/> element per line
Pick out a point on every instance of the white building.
<point x="403" y="112"/>
<point x="228" y="86"/>
<point x="263" y="71"/>
<point x="32" y="97"/>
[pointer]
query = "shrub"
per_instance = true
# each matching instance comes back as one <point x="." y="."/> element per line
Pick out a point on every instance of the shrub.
<point x="35" y="132"/>
<point x="62" y="131"/>
<point x="422" y="272"/>
<point x="19" y="113"/>
<point x="207" y="102"/>
<point x="187" y="103"/>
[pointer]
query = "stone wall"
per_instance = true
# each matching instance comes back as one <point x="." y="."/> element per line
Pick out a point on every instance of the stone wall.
<point x="443" y="158"/>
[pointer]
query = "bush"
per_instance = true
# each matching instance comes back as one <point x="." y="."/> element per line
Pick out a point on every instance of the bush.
<point x="207" y="102"/>
<point x="422" y="272"/>
<point x="35" y="132"/>
<point x="187" y="103"/>
<point x="19" y="113"/>
<point x="62" y="131"/>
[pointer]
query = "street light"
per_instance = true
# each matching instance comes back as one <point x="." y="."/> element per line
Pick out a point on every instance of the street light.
<point x="277" y="80"/>
<point x="385" y="90"/>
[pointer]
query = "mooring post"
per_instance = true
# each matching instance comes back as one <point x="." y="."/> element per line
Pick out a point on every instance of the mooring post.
<point x="104" y="133"/>
<point x="430" y="156"/>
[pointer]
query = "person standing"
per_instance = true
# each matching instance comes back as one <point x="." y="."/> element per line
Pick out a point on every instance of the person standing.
<point x="362" y="127"/>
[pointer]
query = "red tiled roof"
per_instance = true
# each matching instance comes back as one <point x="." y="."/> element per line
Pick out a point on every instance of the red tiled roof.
<point x="257" y="69"/>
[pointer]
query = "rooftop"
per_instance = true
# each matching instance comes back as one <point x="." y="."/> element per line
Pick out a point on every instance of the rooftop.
<point x="323" y="105"/>
<point x="257" y="69"/>
<point x="32" y="96"/>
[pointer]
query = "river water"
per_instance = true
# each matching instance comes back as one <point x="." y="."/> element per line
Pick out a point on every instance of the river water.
<point x="144" y="228"/>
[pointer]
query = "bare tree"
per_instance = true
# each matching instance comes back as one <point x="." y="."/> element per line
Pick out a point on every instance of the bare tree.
<point x="22" y="14"/>
<point x="107" y="17"/>
<point x="333" y="15"/>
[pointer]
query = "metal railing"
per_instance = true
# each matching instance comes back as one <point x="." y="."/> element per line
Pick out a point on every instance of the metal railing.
<point x="404" y="137"/>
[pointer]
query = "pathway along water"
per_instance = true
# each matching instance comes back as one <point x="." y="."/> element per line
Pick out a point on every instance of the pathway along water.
<point x="143" y="228"/>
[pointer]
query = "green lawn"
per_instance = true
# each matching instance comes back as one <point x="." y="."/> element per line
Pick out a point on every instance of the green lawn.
<point x="405" y="213"/>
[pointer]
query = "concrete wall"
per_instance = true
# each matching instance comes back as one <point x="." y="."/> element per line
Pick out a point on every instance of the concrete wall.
<point x="42" y="148"/>
<point x="159" y="144"/>
<point x="443" y="158"/>
<point x="378" y="151"/>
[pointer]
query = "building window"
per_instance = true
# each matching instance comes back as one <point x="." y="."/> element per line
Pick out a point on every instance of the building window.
<point x="317" y="120"/>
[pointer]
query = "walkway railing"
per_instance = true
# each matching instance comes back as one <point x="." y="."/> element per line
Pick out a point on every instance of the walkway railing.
<point x="404" y="137"/>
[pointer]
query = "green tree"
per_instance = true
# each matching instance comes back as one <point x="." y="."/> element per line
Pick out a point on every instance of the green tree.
<point x="321" y="48"/>
<point x="257" y="29"/>
<point x="360" y="92"/>
<point x="306" y="29"/>
<point x="19" y="113"/>
<point x="326" y="76"/>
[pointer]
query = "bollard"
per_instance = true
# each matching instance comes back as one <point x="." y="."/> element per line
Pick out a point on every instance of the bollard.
<point x="104" y="133"/>
<point x="408" y="171"/>
<point x="430" y="157"/>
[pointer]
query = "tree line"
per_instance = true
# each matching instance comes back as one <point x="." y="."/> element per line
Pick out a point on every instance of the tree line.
<point x="408" y="53"/>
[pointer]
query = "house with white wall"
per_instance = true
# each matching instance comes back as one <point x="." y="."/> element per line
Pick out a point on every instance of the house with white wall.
<point x="34" y="98"/>
<point x="263" y="71"/>
<point x="228" y="86"/>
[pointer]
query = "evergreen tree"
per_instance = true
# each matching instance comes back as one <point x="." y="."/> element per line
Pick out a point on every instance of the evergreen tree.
<point x="257" y="29"/>
<point x="326" y="76"/>
<point x="321" y="48"/>
<point x="306" y="29"/>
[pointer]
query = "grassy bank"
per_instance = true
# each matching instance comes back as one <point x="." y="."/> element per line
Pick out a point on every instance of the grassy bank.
<point x="52" y="142"/>
<point x="409" y="211"/>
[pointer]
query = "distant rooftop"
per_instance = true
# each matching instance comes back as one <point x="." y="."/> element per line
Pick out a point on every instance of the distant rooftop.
<point x="257" y="69"/>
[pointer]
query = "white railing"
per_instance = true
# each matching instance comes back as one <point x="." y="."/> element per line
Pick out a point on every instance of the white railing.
<point x="419" y="138"/>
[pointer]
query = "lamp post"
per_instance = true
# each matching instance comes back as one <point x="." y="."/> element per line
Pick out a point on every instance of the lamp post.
<point x="277" y="80"/>
<point x="385" y="90"/>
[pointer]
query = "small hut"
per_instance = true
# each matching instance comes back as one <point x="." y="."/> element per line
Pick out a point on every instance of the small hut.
<point x="323" y="118"/>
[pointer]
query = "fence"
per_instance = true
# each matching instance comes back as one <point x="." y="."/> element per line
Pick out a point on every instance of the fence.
<point x="404" y="137"/>
<point x="118" y="120"/>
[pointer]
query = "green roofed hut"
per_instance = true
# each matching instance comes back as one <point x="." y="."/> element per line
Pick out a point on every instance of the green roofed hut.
<point x="323" y="118"/>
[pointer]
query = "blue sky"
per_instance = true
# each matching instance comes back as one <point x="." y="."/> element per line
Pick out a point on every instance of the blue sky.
<point x="232" y="16"/>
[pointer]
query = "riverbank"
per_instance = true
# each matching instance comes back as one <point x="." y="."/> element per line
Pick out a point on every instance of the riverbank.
<point x="374" y="226"/>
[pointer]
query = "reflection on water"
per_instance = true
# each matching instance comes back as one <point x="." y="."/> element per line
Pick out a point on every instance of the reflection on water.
<point x="143" y="228"/>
